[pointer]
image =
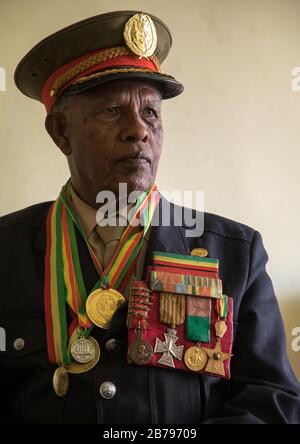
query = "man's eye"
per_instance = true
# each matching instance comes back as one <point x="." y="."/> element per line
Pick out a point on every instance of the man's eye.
<point x="112" y="110"/>
<point x="149" y="112"/>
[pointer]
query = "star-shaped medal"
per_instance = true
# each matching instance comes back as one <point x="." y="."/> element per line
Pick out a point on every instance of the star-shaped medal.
<point x="216" y="359"/>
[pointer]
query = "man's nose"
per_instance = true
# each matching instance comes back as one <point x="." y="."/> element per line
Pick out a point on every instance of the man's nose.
<point x="134" y="129"/>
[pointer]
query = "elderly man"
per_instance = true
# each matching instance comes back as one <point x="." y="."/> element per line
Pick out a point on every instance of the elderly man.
<point x="133" y="321"/>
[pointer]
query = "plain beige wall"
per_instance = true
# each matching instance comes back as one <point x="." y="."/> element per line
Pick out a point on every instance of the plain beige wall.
<point x="234" y="133"/>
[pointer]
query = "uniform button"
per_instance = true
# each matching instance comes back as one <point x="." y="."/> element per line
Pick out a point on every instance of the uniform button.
<point x="107" y="390"/>
<point x="112" y="345"/>
<point x="19" y="344"/>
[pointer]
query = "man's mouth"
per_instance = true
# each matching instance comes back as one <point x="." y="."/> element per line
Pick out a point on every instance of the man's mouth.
<point x="137" y="160"/>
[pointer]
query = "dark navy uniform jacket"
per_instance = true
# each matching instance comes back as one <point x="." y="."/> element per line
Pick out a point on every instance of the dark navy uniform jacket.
<point x="262" y="388"/>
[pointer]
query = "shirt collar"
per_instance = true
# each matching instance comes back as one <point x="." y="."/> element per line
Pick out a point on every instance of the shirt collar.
<point x="87" y="216"/>
<point x="86" y="213"/>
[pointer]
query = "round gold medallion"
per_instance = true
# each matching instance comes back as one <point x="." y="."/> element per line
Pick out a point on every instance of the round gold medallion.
<point x="102" y="304"/>
<point x="140" y="35"/>
<point x="83" y="350"/>
<point x="76" y="367"/>
<point x="195" y="358"/>
<point x="61" y="381"/>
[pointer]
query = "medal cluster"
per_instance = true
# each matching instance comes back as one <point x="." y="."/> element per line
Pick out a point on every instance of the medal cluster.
<point x="85" y="351"/>
<point x="180" y="318"/>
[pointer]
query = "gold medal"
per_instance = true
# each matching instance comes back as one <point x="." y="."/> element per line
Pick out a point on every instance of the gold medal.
<point x="102" y="304"/>
<point x="195" y="358"/>
<point x="83" y="350"/>
<point x="61" y="381"/>
<point x="140" y="35"/>
<point x="76" y="367"/>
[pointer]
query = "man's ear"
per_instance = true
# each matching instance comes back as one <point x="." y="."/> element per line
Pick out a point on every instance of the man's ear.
<point x="55" y="124"/>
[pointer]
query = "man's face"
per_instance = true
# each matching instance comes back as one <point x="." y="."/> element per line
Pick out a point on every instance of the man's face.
<point x="115" y="135"/>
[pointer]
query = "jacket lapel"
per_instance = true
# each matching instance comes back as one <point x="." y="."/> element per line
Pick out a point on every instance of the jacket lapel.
<point x="170" y="238"/>
<point x="166" y="235"/>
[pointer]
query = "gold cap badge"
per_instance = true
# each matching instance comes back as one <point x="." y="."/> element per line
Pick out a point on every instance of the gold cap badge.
<point x="140" y="35"/>
<point x="202" y="252"/>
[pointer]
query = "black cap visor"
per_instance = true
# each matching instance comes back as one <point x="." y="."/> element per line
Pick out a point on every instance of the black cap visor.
<point x="167" y="86"/>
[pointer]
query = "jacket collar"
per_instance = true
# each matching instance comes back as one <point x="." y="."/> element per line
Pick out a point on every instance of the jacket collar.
<point x="169" y="238"/>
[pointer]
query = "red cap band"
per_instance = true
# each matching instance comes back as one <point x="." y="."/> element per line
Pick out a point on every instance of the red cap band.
<point x="101" y="61"/>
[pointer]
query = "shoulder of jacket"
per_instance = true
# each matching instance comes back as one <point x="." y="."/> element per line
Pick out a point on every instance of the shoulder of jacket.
<point x="216" y="225"/>
<point x="33" y="216"/>
<point x="221" y="226"/>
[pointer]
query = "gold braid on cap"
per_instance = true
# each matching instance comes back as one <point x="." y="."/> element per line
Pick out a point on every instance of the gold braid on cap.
<point x="93" y="60"/>
<point x="97" y="75"/>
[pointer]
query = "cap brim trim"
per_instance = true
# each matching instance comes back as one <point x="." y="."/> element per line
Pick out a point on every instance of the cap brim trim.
<point x="167" y="86"/>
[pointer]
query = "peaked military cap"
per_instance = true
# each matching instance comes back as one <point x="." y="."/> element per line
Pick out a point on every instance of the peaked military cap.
<point x="116" y="45"/>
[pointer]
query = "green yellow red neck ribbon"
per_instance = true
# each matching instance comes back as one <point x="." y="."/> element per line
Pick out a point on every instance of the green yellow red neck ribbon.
<point x="64" y="287"/>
